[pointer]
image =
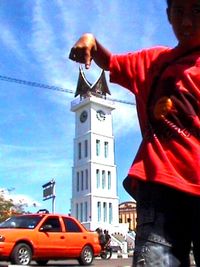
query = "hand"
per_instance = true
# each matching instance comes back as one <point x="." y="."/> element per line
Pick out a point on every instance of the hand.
<point x="83" y="50"/>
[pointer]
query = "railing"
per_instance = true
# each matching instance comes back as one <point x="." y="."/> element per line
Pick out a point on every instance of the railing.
<point x="92" y="96"/>
<point x="130" y="238"/>
<point x="116" y="244"/>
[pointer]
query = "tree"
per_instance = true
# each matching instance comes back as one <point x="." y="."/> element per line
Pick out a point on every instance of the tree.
<point x="8" y="207"/>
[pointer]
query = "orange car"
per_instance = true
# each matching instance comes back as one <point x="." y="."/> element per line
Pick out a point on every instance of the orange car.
<point x="42" y="237"/>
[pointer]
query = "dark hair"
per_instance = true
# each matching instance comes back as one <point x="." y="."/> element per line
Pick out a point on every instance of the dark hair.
<point x="169" y="2"/>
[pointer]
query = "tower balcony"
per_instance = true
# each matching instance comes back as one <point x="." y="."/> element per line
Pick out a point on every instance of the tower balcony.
<point x="82" y="101"/>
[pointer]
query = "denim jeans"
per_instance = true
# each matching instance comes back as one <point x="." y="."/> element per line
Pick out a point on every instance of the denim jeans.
<point x="168" y="223"/>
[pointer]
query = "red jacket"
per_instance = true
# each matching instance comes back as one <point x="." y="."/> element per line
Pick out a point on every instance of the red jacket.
<point x="168" y="105"/>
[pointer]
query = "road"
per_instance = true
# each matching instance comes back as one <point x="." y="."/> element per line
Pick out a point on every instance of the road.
<point x="120" y="262"/>
<point x="73" y="263"/>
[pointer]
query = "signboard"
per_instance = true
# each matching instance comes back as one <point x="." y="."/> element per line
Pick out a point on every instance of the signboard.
<point x="48" y="190"/>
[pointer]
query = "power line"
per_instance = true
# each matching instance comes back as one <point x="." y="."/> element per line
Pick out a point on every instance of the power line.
<point x="51" y="87"/>
<point x="35" y="84"/>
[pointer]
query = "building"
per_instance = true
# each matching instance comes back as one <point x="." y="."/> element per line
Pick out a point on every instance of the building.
<point x="127" y="214"/>
<point x="94" y="180"/>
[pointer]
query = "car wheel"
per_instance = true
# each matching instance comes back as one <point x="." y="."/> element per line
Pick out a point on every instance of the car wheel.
<point x="22" y="254"/>
<point x="86" y="256"/>
<point x="42" y="262"/>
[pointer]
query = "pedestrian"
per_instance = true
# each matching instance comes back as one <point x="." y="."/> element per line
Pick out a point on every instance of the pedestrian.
<point x="107" y="238"/>
<point x="165" y="175"/>
<point x="101" y="238"/>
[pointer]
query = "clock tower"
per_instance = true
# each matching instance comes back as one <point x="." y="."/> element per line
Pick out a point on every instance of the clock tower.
<point x="94" y="179"/>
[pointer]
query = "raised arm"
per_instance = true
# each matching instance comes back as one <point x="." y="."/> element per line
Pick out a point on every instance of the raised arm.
<point x="86" y="49"/>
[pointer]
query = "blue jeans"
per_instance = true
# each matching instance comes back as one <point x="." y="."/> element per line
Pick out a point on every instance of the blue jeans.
<point x="168" y="224"/>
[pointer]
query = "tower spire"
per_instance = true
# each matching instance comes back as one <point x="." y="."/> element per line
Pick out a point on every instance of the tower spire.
<point x="85" y="88"/>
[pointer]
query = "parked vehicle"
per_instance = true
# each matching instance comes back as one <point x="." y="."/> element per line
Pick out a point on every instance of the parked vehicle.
<point x="43" y="237"/>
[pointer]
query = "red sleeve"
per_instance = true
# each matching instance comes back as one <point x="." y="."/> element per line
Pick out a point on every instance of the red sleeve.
<point x="134" y="70"/>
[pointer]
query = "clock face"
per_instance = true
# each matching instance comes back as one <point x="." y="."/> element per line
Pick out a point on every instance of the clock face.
<point x="83" y="116"/>
<point x="101" y="115"/>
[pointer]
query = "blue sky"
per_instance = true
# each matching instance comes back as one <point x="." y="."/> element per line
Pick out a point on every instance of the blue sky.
<point x="36" y="126"/>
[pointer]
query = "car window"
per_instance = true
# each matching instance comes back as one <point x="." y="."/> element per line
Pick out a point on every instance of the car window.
<point x="25" y="222"/>
<point x="53" y="224"/>
<point x="71" y="225"/>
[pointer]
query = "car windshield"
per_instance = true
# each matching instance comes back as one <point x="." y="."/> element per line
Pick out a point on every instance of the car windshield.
<point x="25" y="222"/>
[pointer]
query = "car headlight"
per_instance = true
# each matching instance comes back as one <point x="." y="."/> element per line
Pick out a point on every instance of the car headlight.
<point x="2" y="238"/>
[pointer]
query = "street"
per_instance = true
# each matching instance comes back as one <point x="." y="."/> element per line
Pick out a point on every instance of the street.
<point x="120" y="262"/>
<point x="73" y="263"/>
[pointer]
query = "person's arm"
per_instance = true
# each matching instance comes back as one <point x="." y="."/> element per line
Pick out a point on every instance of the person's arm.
<point x="86" y="49"/>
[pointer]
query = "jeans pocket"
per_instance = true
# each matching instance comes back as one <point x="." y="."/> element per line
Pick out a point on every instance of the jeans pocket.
<point x="145" y="220"/>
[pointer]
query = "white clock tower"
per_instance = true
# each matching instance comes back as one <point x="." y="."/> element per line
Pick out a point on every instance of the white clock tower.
<point x="94" y="180"/>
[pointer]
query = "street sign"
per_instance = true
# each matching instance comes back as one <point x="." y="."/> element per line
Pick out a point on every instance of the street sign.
<point x="48" y="190"/>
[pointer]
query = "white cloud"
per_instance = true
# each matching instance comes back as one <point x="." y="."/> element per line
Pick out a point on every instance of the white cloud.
<point x="125" y="120"/>
<point x="31" y="164"/>
<point x="19" y="198"/>
<point x="44" y="45"/>
<point x="10" y="41"/>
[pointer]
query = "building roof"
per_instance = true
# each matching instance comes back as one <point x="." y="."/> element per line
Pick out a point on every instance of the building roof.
<point x="127" y="204"/>
<point x="85" y="88"/>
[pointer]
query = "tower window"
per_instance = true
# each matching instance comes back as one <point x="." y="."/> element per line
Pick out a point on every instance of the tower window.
<point x="110" y="213"/>
<point x="103" y="179"/>
<point x="81" y="212"/>
<point x="109" y="180"/>
<point x="79" y="150"/>
<point x="104" y="211"/>
<point x="86" y="148"/>
<point x="85" y="211"/>
<point x="77" y="211"/>
<point x="82" y="180"/>
<point x="98" y="178"/>
<point x="86" y="179"/>
<point x="97" y="147"/>
<point x="77" y="181"/>
<point x="99" y="211"/>
<point x="105" y="149"/>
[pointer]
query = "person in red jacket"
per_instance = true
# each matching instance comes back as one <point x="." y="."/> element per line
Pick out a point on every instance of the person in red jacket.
<point x="165" y="175"/>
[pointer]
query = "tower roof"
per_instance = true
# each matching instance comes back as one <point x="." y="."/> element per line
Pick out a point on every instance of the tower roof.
<point x="85" y="88"/>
